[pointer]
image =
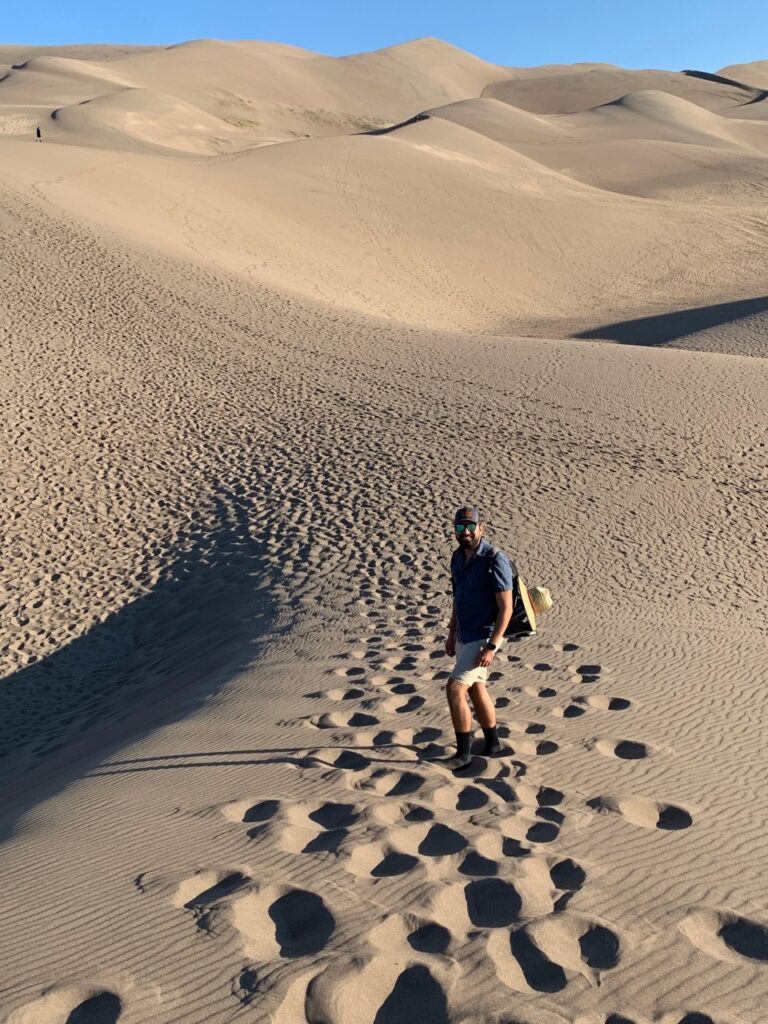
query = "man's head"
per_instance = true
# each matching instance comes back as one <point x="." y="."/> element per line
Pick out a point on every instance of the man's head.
<point x="468" y="527"/>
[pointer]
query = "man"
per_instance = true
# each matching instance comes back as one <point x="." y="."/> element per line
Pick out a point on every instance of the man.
<point x="482" y="578"/>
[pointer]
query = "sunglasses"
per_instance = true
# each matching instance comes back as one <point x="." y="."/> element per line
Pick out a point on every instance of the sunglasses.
<point x="461" y="527"/>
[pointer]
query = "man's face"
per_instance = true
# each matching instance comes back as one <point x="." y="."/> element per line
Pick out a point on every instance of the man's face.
<point x="468" y="534"/>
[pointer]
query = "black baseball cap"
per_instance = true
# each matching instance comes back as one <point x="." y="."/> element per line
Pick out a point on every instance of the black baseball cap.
<point x="467" y="514"/>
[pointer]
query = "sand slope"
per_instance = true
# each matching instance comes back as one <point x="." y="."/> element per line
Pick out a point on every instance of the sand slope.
<point x="265" y="91"/>
<point x="243" y="386"/>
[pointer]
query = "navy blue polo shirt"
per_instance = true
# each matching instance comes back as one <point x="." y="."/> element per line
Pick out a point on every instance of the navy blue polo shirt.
<point x="476" y="581"/>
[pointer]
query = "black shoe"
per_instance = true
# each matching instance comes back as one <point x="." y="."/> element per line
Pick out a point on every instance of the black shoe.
<point x="493" y="751"/>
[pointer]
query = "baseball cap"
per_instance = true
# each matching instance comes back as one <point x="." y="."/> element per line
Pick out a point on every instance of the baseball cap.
<point x="467" y="513"/>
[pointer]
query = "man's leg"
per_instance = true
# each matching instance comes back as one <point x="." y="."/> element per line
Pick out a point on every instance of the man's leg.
<point x="486" y="716"/>
<point x="461" y="717"/>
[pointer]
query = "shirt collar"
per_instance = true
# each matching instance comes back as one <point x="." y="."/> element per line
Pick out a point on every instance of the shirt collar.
<point x="482" y="548"/>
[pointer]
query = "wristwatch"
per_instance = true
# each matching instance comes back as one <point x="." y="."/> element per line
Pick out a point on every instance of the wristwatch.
<point x="491" y="647"/>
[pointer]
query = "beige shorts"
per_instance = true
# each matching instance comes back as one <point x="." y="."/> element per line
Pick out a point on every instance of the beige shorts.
<point x="465" y="671"/>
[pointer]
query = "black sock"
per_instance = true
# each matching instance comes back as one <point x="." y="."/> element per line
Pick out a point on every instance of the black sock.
<point x="492" y="744"/>
<point x="463" y="740"/>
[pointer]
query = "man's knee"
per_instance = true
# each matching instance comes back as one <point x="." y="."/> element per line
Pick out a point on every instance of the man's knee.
<point x="456" y="691"/>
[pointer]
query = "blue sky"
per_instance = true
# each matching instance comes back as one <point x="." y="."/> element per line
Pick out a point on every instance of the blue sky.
<point x="674" y="34"/>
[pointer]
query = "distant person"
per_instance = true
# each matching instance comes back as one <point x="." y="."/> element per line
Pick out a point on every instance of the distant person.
<point x="38" y="134"/>
<point x="483" y="580"/>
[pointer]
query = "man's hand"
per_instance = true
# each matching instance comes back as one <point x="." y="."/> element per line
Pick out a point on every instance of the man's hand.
<point x="485" y="657"/>
<point x="450" y="645"/>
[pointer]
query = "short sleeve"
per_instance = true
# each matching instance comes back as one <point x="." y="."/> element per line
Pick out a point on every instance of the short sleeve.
<point x="503" y="573"/>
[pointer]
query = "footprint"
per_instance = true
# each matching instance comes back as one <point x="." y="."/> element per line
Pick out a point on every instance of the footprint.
<point x="394" y="863"/>
<point x="727" y="936"/>
<point x="301" y="834"/>
<point x="540" y="691"/>
<point x="340" y="693"/>
<point x="567" y="875"/>
<point x="542" y="832"/>
<point x="301" y="924"/>
<point x="246" y="811"/>
<point x="334" y="816"/>
<point x="208" y="887"/>
<point x="411" y="705"/>
<point x="416" y="995"/>
<point x="539" y="748"/>
<point x="644" y="812"/>
<point x="538" y="956"/>
<point x="351" y="761"/>
<point x="471" y="799"/>
<point x="333" y="994"/>
<point x="390" y="782"/>
<point x="492" y="903"/>
<point x="428" y="735"/>
<point x="227" y="886"/>
<point x="529" y="728"/>
<point x="386" y="858"/>
<point x="540" y="973"/>
<point x="626" y="750"/>
<point x="335" y="720"/>
<point x="512" y="848"/>
<point x="71" y="1006"/>
<point x="599" y="948"/>
<point x="478" y="866"/>
<point x="398" y="934"/>
<point x="430" y="938"/>
<point x="441" y="841"/>
<point x="501" y="789"/>
<point x="573" y="710"/>
<point x="588" y="673"/>
<point x="604" y="703"/>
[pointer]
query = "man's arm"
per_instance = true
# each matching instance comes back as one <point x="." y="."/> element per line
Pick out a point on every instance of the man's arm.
<point x="450" y="640"/>
<point x="503" y="615"/>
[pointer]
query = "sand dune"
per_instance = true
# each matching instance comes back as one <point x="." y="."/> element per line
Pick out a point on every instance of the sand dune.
<point x="756" y="73"/>
<point x="645" y="144"/>
<point x="317" y="217"/>
<point x="265" y="91"/>
<point x="574" y="91"/>
<point x="243" y="386"/>
<point x="144" y="119"/>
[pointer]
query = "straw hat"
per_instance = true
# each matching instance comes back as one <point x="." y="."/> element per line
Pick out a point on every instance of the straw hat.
<point x="540" y="598"/>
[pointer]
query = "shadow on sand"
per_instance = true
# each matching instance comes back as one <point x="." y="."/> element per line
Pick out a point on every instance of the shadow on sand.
<point x="669" y="327"/>
<point x="162" y="654"/>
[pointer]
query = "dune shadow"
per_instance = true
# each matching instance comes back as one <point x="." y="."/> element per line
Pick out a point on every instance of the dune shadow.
<point x="651" y="331"/>
<point x="395" y="127"/>
<point x="167" y="649"/>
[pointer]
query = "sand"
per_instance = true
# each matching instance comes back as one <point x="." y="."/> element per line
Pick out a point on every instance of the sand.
<point x="253" y="357"/>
